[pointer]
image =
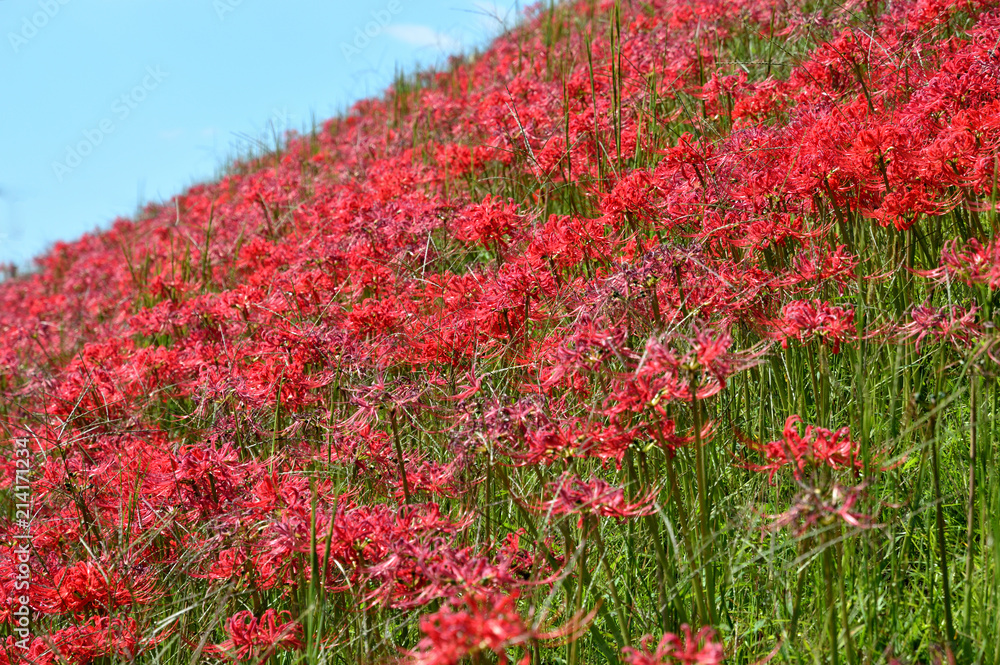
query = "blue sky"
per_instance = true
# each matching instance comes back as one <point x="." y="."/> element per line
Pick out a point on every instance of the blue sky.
<point x="110" y="103"/>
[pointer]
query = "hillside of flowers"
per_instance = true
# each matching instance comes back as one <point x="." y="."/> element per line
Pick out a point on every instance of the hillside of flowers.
<point x="657" y="333"/>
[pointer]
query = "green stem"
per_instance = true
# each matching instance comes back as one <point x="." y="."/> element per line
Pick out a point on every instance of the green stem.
<point x="703" y="506"/>
<point x="619" y="607"/>
<point x="939" y="511"/>
<point x="971" y="522"/>
<point x="399" y="456"/>
<point x="699" y="588"/>
<point x="844" y="618"/>
<point x="793" y="627"/>
<point x="831" y="606"/>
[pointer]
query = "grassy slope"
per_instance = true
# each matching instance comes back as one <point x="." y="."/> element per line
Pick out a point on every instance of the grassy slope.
<point x="357" y="380"/>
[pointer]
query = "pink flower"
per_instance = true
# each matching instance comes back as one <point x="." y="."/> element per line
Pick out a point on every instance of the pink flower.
<point x="955" y="325"/>
<point x="823" y="508"/>
<point x="671" y="649"/>
<point x="259" y="638"/>
<point x="805" y="320"/>
<point x="572" y="496"/>
<point x="817" y="447"/>
<point x="478" y="622"/>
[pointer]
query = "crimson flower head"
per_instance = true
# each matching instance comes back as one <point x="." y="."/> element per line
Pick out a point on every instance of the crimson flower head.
<point x="629" y="197"/>
<point x="711" y="351"/>
<point x="973" y="263"/>
<point x="817" y="447"/>
<point x="672" y="650"/>
<point x="89" y="586"/>
<point x="488" y="222"/>
<point x="824" y="508"/>
<point x="259" y="638"/>
<point x="805" y="320"/>
<point x="701" y="360"/>
<point x="710" y="356"/>
<point x="481" y="621"/>
<point x="954" y="325"/>
<point x="572" y="496"/>
<point x="99" y="638"/>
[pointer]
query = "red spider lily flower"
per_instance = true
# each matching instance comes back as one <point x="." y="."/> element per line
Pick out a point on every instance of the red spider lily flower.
<point x="483" y="621"/>
<point x="231" y="563"/>
<point x="259" y="638"/>
<point x="701" y="649"/>
<point x="664" y="433"/>
<point x="974" y="263"/>
<point x="98" y="638"/>
<point x="575" y="438"/>
<point x="572" y="496"/>
<point x="629" y="198"/>
<point x="815" y="507"/>
<point x="480" y="621"/>
<point x="582" y="351"/>
<point x="419" y="570"/>
<point x="805" y="320"/>
<point x="86" y="586"/>
<point x="954" y="325"/>
<point x="663" y="374"/>
<point x="817" y="447"/>
<point x="475" y="383"/>
<point x="710" y="359"/>
<point x="823" y="265"/>
<point x="489" y="222"/>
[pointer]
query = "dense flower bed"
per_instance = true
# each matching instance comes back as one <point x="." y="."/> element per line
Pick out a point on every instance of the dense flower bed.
<point x="659" y="332"/>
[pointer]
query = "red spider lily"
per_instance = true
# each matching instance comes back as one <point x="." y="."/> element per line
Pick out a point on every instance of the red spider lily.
<point x="629" y="199"/>
<point x="419" y="570"/>
<point x="824" y="266"/>
<point x="709" y="360"/>
<point x="663" y="374"/>
<point x="816" y="507"/>
<point x="664" y="433"/>
<point x="583" y="350"/>
<point x="479" y="622"/>
<point x="489" y="223"/>
<point x="577" y="438"/>
<point x="186" y="370"/>
<point x="259" y="638"/>
<point x="817" y="447"/>
<point x="572" y="496"/>
<point x="700" y="649"/>
<point x="89" y="586"/>
<point x="805" y="320"/>
<point x="974" y="263"/>
<point x="231" y="563"/>
<point x="97" y="638"/>
<point x="953" y="325"/>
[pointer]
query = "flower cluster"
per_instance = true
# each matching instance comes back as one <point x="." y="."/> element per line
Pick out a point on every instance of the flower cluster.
<point x="546" y="281"/>
<point x="816" y="447"/>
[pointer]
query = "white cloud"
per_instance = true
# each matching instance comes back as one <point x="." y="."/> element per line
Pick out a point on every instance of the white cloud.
<point x="423" y="36"/>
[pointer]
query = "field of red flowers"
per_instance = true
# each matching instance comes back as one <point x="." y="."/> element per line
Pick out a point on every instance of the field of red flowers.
<point x="658" y="332"/>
